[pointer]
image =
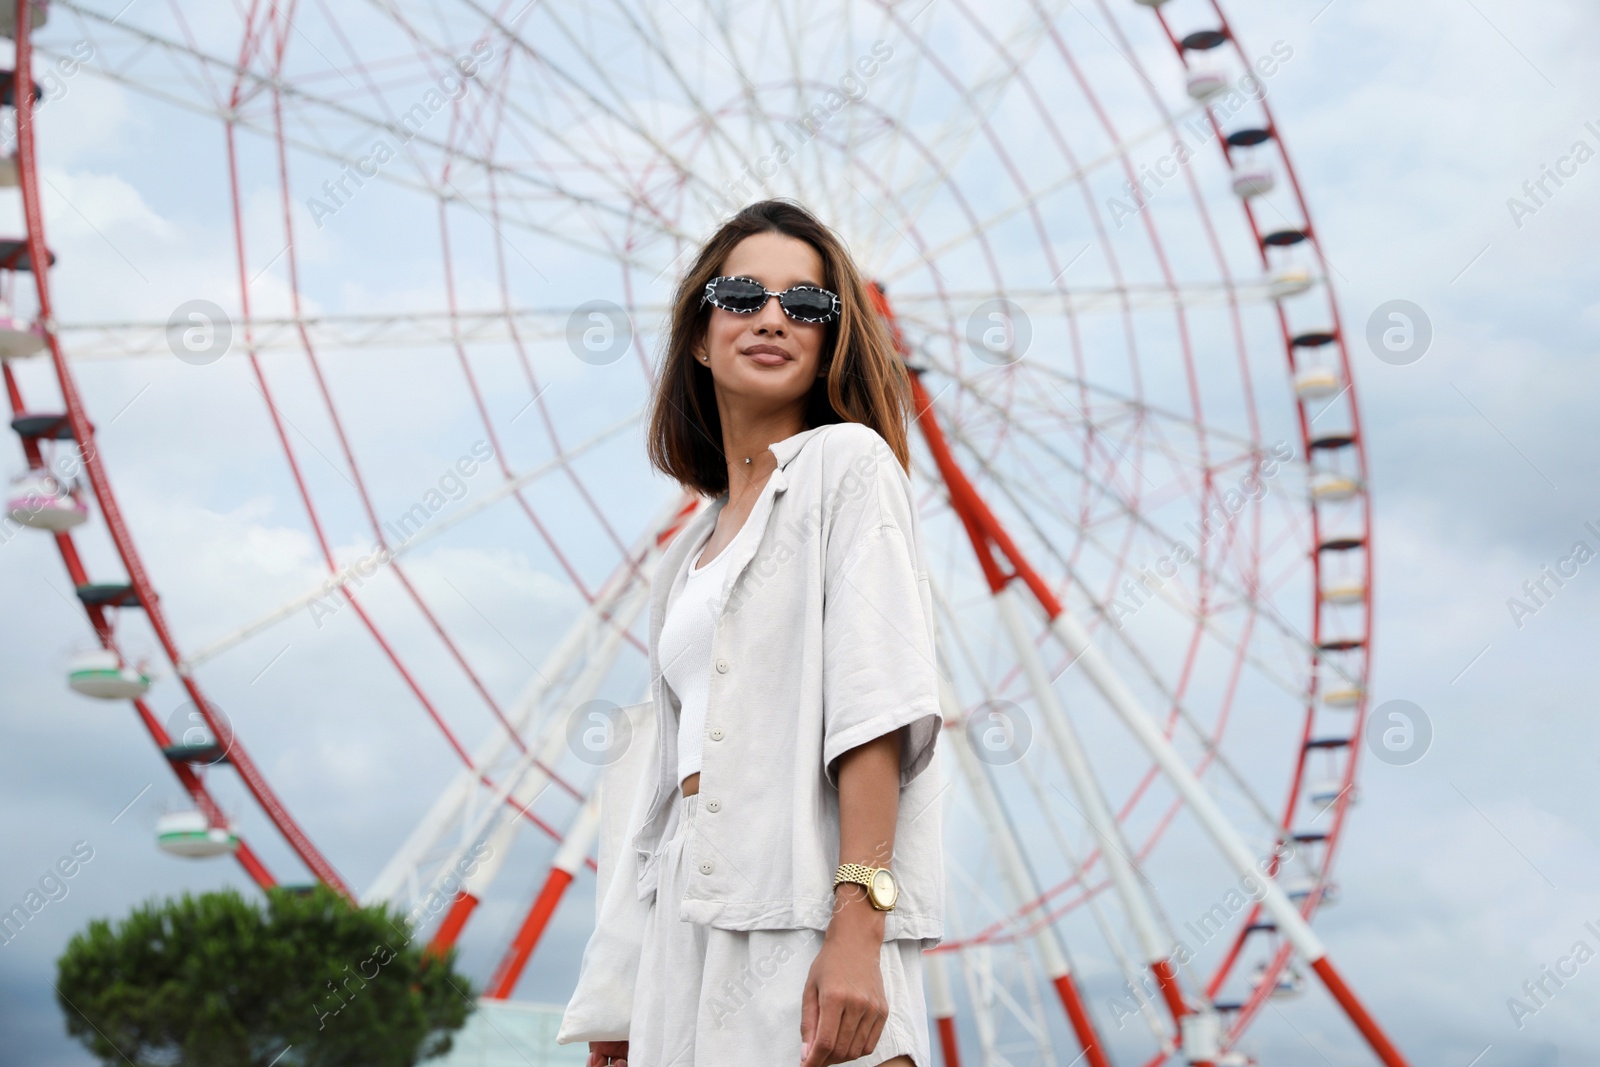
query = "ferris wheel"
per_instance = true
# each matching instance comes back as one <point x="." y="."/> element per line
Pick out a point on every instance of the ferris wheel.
<point x="1137" y="449"/>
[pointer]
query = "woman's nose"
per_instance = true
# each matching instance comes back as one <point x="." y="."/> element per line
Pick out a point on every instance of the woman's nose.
<point x="771" y="318"/>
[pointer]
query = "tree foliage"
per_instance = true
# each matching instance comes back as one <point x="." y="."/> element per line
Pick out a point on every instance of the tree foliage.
<point x="220" y="981"/>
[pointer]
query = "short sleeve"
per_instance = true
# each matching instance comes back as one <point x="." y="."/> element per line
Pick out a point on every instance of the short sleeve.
<point x="879" y="672"/>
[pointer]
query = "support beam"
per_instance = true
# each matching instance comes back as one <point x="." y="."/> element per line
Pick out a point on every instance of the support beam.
<point x="989" y="536"/>
<point x="1017" y="878"/>
<point x="942" y="1005"/>
<point x="563" y="870"/>
<point x="1095" y="808"/>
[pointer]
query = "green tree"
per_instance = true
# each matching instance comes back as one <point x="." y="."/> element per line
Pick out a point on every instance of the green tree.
<point x="217" y="981"/>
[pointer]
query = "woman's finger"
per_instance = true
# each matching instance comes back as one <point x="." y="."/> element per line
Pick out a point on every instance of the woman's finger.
<point x="825" y="1034"/>
<point x="862" y="1015"/>
<point x="850" y="1016"/>
<point x="876" y="1033"/>
<point x="866" y="1035"/>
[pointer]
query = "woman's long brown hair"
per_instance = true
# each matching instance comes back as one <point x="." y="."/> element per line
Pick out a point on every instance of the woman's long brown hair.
<point x="866" y="380"/>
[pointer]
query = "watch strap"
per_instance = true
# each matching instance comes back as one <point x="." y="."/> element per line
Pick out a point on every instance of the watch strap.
<point x="854" y="872"/>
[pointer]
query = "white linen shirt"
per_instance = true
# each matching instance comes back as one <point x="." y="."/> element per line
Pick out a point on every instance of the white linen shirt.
<point x="824" y="641"/>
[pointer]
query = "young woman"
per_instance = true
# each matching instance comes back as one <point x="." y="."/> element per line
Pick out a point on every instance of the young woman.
<point x="783" y="872"/>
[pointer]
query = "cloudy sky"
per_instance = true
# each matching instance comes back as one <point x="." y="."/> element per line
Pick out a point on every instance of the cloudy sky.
<point x="1424" y="138"/>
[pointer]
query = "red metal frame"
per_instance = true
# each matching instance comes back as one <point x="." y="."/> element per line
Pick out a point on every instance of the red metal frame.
<point x="983" y="529"/>
<point x="1257" y="997"/>
<point x="533" y="925"/>
<point x="83" y="432"/>
<point x="986" y="533"/>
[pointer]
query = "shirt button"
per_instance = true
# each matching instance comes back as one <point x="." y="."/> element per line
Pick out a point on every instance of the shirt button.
<point x="705" y="867"/>
<point x="716" y="735"/>
<point x="722" y="666"/>
<point x="713" y="805"/>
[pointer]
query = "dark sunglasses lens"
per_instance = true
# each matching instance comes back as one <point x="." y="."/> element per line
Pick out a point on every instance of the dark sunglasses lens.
<point x="737" y="294"/>
<point x="808" y="304"/>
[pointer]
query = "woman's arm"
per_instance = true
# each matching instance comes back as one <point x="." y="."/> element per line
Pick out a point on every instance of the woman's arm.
<point x="843" y="1009"/>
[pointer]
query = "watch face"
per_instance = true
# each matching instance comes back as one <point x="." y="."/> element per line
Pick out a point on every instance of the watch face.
<point x="883" y="889"/>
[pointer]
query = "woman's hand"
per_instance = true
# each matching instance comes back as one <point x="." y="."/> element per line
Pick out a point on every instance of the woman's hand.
<point x="599" y="1050"/>
<point x="843" y="1008"/>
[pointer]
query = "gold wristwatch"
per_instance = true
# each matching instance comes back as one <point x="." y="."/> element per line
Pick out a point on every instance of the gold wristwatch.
<point x="879" y="882"/>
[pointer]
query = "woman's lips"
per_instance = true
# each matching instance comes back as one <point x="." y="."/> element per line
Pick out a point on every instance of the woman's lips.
<point x="767" y="357"/>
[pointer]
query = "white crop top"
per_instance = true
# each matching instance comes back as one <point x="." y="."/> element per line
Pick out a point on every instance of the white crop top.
<point x="685" y="647"/>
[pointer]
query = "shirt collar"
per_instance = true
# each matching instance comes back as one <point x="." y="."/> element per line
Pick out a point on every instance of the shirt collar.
<point x="790" y="446"/>
<point x="697" y="527"/>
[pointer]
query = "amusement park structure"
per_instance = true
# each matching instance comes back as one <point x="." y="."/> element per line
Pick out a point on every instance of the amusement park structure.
<point x="1070" y="435"/>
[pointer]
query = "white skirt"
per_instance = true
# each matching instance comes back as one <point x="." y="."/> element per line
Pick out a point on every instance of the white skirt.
<point x="706" y="997"/>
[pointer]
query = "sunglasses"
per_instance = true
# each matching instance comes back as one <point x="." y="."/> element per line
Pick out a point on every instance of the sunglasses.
<point x="746" y="296"/>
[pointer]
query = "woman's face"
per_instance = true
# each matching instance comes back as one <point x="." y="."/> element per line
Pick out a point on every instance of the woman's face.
<point x="767" y="358"/>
